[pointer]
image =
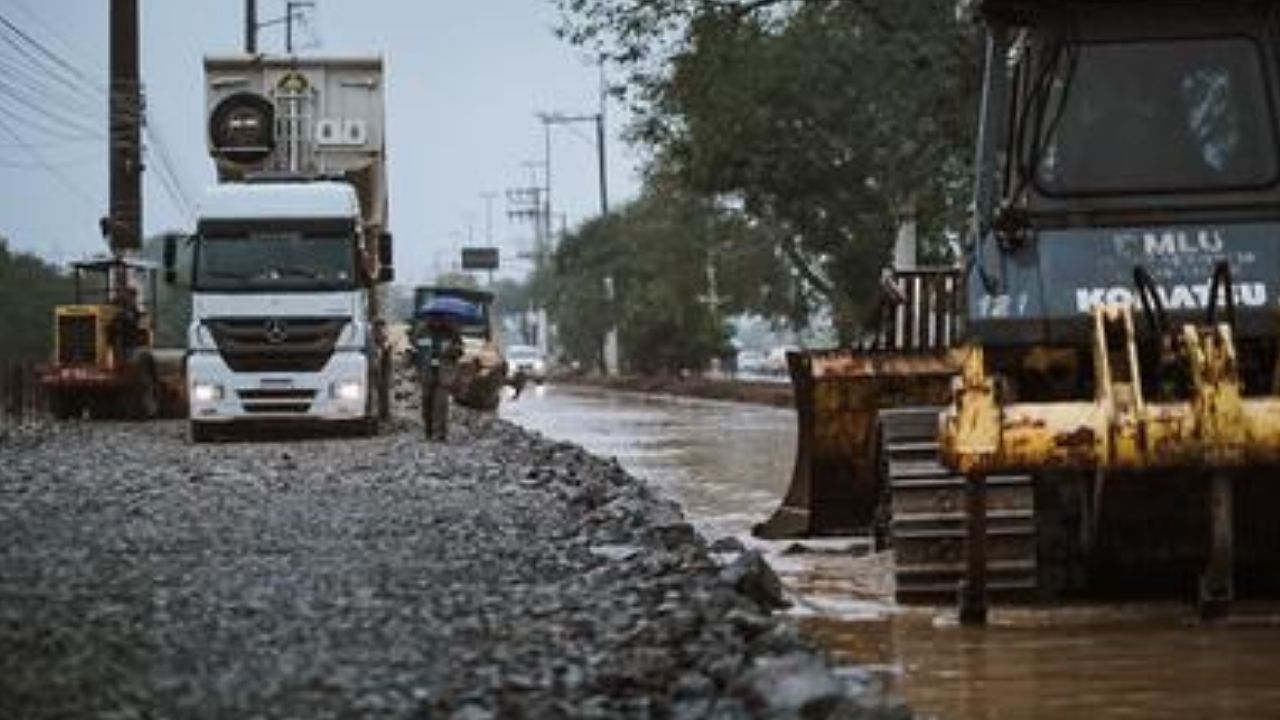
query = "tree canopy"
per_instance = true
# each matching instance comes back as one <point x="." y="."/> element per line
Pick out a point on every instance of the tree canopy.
<point x="828" y="120"/>
<point x="29" y="290"/>
<point x="667" y="270"/>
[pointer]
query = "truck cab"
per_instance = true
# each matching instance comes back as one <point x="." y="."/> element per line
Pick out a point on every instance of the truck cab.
<point x="283" y="326"/>
<point x="291" y="248"/>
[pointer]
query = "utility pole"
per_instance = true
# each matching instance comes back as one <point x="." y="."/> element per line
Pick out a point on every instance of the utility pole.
<point x="549" y="119"/>
<point x="289" y="15"/>
<point x="546" y="191"/>
<point x="123" y="227"/>
<point x="489" y="197"/>
<point x="600" y="148"/>
<point x="609" y="351"/>
<point x="251" y="27"/>
<point x="293" y="11"/>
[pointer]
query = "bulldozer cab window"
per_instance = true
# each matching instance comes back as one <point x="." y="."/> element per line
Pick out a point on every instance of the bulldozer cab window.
<point x="1153" y="116"/>
<point x="96" y="284"/>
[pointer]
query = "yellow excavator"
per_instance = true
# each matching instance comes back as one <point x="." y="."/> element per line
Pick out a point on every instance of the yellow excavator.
<point x="103" y="361"/>
<point x="1088" y="404"/>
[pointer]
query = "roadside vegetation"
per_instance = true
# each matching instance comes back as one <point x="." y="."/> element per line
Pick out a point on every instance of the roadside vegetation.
<point x="29" y="289"/>
<point x="788" y="142"/>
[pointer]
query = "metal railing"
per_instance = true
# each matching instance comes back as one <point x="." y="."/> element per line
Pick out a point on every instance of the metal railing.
<point x="919" y="310"/>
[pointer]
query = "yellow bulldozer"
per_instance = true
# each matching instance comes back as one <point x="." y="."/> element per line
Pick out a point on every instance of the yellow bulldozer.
<point x="103" y="361"/>
<point x="1088" y="403"/>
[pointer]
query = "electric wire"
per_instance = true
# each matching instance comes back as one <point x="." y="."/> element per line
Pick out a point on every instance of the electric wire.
<point x="77" y="80"/>
<point x="52" y="32"/>
<point x="51" y="169"/>
<point x="46" y="112"/>
<point x="168" y="176"/>
<point x="36" y="117"/>
<point x="51" y="132"/>
<point x="66" y="93"/>
<point x="50" y="54"/>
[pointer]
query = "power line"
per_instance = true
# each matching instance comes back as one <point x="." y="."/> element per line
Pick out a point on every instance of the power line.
<point x="61" y="162"/>
<point x="39" y="113"/>
<point x="167" y="173"/>
<point x="51" y="169"/>
<point x="34" y="75"/>
<point x="50" y="54"/>
<point x="25" y="120"/>
<point x="53" y="33"/>
<point x="49" y="102"/>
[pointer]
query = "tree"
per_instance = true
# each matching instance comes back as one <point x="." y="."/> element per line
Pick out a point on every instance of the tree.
<point x="30" y="289"/>
<point x="660" y="255"/>
<point x="827" y="120"/>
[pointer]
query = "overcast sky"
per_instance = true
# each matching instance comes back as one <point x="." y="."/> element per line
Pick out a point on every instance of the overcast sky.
<point x="465" y="81"/>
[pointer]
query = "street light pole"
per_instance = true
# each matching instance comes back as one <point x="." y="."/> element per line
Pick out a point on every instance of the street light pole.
<point x="549" y="119"/>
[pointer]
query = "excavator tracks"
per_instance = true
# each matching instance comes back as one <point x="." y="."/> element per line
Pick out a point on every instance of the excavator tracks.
<point x="927" y="522"/>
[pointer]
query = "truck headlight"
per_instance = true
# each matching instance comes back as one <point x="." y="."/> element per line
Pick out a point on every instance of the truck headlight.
<point x="349" y="390"/>
<point x="206" y="392"/>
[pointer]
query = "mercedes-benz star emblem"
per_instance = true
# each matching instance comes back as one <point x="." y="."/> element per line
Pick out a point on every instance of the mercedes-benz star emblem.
<point x="277" y="331"/>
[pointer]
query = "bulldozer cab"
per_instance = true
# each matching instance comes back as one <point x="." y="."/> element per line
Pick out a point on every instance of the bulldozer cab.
<point x="1080" y="404"/>
<point x="113" y="313"/>
<point x="1121" y="137"/>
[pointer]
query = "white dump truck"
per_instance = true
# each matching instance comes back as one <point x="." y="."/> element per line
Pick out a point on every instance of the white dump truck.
<point x="291" y="248"/>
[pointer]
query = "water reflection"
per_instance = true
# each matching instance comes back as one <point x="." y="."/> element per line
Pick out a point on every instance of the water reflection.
<point x="1146" y="662"/>
<point x="728" y="464"/>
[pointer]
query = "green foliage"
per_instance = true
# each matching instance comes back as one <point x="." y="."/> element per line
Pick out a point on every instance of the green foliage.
<point x="660" y="256"/>
<point x="29" y="290"/>
<point x="511" y="296"/>
<point x="173" y="300"/>
<point x="826" y="120"/>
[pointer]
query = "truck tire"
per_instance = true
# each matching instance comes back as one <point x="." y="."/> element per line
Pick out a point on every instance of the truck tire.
<point x="202" y="432"/>
<point x="65" y="405"/>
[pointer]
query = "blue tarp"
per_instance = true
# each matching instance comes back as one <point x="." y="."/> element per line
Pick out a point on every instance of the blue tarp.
<point x="451" y="309"/>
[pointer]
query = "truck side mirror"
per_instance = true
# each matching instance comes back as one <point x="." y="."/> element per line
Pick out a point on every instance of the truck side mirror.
<point x="170" y="259"/>
<point x="386" y="259"/>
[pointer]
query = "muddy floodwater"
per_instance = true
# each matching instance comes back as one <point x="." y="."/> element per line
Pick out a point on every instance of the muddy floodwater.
<point x="729" y="464"/>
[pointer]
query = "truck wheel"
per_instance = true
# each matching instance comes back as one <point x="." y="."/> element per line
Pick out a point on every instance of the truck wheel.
<point x="65" y="405"/>
<point x="104" y="405"/>
<point x="203" y="432"/>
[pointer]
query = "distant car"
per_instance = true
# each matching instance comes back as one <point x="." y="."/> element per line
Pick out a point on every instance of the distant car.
<point x="752" y="362"/>
<point x="775" y="362"/>
<point x="529" y="360"/>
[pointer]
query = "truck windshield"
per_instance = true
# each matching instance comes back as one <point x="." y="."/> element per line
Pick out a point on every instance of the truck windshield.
<point x="1187" y="115"/>
<point x="275" y="261"/>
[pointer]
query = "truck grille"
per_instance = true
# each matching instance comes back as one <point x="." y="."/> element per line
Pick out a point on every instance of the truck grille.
<point x="271" y="400"/>
<point x="77" y="339"/>
<point x="284" y="344"/>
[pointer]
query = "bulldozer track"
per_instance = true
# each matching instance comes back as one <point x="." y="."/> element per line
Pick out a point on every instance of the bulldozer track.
<point x="927" y="517"/>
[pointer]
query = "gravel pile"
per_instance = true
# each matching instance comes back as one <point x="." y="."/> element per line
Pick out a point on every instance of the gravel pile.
<point x="496" y="575"/>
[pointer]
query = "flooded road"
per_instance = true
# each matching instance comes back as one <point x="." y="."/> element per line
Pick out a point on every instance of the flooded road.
<point x="729" y="464"/>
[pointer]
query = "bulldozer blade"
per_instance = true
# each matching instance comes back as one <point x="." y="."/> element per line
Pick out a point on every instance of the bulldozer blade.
<point x="835" y="481"/>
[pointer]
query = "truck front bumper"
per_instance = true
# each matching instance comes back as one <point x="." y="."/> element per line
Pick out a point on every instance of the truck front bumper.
<point x="338" y="392"/>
